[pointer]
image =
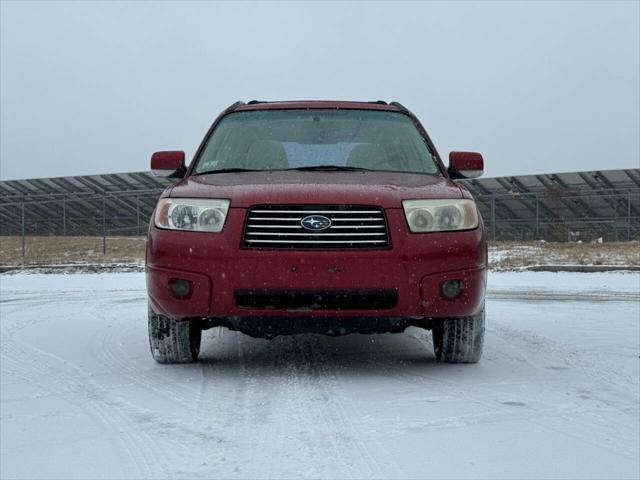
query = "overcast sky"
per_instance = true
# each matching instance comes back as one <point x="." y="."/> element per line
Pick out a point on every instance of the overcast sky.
<point x="536" y="87"/>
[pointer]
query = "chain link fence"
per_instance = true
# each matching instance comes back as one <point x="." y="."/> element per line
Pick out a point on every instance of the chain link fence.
<point x="111" y="227"/>
<point x="586" y="217"/>
<point x="76" y="228"/>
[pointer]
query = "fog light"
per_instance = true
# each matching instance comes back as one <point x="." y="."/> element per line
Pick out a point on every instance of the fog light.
<point x="451" y="288"/>
<point x="179" y="287"/>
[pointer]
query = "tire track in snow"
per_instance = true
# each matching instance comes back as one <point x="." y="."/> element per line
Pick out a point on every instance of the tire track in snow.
<point x="281" y="390"/>
<point x="327" y="403"/>
<point x="170" y="436"/>
<point x="74" y="384"/>
<point x="87" y="398"/>
<point x="534" y="410"/>
<point x="107" y="348"/>
<point x="340" y="414"/>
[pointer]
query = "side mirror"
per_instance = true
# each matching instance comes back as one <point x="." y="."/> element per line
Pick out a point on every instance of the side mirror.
<point x="465" y="165"/>
<point x="168" y="164"/>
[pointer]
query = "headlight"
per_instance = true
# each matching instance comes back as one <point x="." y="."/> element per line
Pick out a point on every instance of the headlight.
<point x="440" y="215"/>
<point x="195" y="214"/>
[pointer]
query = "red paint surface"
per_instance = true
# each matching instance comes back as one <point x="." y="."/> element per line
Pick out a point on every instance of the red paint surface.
<point x="415" y="265"/>
<point x="194" y="305"/>
<point x="169" y="160"/>
<point x="461" y="161"/>
<point x="386" y="189"/>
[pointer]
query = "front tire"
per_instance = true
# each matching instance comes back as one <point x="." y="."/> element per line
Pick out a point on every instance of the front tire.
<point x="459" y="340"/>
<point x="173" y="341"/>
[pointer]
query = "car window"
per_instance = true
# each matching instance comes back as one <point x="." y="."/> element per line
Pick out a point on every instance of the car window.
<point x="281" y="139"/>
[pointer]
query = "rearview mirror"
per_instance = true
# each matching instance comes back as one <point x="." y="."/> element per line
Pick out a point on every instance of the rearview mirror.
<point x="465" y="165"/>
<point x="168" y="164"/>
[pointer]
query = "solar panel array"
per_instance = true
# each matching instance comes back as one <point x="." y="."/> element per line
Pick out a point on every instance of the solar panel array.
<point x="111" y="204"/>
<point x="561" y="206"/>
<point x="556" y="207"/>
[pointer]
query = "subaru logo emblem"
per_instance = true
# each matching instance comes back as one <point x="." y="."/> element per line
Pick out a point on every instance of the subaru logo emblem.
<point x="317" y="223"/>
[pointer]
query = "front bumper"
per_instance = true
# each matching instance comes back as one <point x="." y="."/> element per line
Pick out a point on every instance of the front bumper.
<point x="415" y="266"/>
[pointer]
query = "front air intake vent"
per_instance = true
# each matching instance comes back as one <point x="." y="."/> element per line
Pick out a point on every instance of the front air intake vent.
<point x="315" y="227"/>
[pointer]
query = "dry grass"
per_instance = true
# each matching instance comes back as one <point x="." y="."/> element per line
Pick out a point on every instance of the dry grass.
<point x="510" y="255"/>
<point x="503" y="255"/>
<point x="63" y="250"/>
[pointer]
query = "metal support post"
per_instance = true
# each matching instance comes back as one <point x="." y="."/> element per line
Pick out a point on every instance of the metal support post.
<point x="493" y="217"/>
<point x="24" y="250"/>
<point x="64" y="217"/>
<point x="628" y="216"/>
<point x="537" y="218"/>
<point x="137" y="214"/>
<point x="104" y="224"/>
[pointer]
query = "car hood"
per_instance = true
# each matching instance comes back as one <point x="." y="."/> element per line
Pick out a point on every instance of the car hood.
<point x="386" y="189"/>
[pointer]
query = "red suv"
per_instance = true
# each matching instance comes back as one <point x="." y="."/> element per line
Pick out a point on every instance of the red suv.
<point x="316" y="217"/>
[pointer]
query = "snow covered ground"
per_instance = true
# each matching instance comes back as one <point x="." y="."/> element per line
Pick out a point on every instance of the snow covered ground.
<point x="556" y="394"/>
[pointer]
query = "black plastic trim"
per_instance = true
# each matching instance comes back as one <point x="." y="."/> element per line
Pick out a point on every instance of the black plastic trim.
<point x="234" y="106"/>
<point x="317" y="299"/>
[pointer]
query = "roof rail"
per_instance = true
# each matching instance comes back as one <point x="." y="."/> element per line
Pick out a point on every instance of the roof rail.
<point x="379" y="102"/>
<point x="253" y="102"/>
<point x="233" y="106"/>
<point x="401" y="107"/>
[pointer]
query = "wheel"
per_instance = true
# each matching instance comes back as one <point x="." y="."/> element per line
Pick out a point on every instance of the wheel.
<point x="459" y="340"/>
<point x="173" y="341"/>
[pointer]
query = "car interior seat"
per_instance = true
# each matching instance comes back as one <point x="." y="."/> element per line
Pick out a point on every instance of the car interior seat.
<point x="268" y="155"/>
<point x="369" y="155"/>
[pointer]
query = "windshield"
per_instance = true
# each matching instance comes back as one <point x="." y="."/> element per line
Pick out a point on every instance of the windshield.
<point x="289" y="139"/>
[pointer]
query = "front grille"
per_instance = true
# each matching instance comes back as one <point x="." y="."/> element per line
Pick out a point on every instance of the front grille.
<point x="317" y="300"/>
<point x="280" y="226"/>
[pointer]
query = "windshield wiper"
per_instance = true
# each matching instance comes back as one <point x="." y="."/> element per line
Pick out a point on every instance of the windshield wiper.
<point x="329" y="168"/>
<point x="311" y="168"/>
<point x="229" y="170"/>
